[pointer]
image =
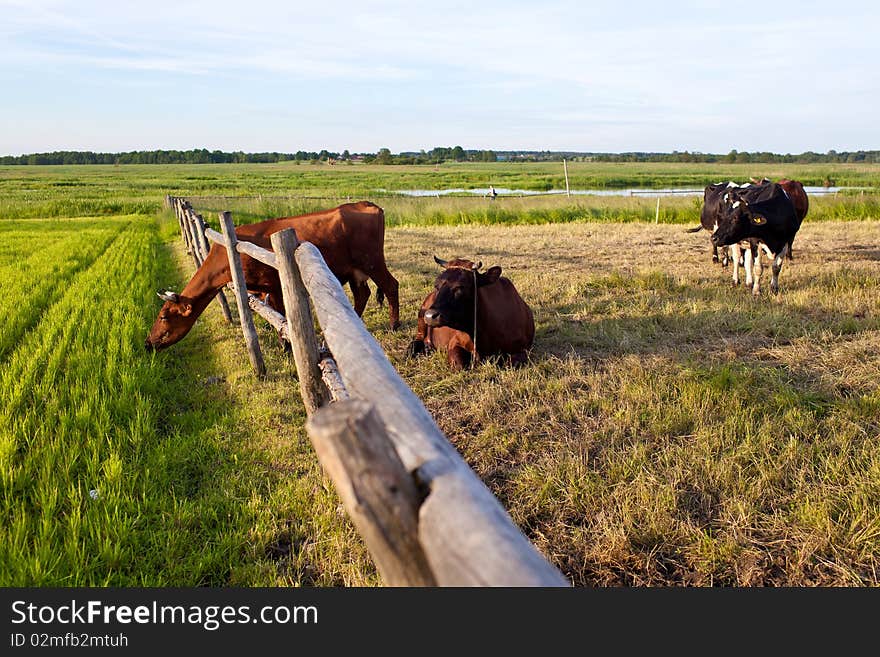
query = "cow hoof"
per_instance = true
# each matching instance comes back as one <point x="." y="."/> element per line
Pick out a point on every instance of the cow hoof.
<point x="415" y="348"/>
<point x="395" y="325"/>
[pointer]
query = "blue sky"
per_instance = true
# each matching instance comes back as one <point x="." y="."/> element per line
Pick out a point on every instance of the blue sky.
<point x="586" y="76"/>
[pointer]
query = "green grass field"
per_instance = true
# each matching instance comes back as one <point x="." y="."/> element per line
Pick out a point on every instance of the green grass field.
<point x="669" y="429"/>
<point x="72" y="191"/>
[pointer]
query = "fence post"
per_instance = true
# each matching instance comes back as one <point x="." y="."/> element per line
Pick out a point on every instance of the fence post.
<point x="378" y="493"/>
<point x="238" y="280"/>
<point x="657" y="213"/>
<point x="300" y="325"/>
<point x="181" y="219"/>
<point x="565" y="168"/>
<point x="185" y="209"/>
<point x="189" y="224"/>
<point x="203" y="247"/>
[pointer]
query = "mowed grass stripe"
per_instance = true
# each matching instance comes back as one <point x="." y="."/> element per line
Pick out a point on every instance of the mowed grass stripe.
<point x="92" y="405"/>
<point x="196" y="483"/>
<point x="35" y="272"/>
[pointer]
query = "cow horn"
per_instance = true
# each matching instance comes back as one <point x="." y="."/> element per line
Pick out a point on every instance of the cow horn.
<point x="477" y="266"/>
<point x="440" y="262"/>
<point x="168" y="295"/>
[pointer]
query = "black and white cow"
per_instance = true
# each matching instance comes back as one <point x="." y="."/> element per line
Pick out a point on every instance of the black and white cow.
<point x="713" y="205"/>
<point x="760" y="219"/>
<point x="716" y="201"/>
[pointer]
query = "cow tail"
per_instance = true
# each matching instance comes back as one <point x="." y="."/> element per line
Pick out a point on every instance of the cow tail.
<point x="380" y="295"/>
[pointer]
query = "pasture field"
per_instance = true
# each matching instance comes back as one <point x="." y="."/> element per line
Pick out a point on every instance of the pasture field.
<point x="669" y="429"/>
<point x="70" y="191"/>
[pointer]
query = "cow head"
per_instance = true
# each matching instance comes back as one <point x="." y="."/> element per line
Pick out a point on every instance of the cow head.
<point x="737" y="222"/>
<point x="174" y="321"/>
<point x="454" y="293"/>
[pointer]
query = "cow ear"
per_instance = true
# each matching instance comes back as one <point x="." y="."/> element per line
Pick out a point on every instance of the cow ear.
<point x="490" y="276"/>
<point x="758" y="220"/>
<point x="185" y="309"/>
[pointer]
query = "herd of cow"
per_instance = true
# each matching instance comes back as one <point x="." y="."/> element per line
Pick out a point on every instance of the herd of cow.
<point x="750" y="219"/>
<point x="470" y="314"/>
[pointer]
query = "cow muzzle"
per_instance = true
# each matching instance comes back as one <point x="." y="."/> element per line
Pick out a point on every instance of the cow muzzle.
<point x="432" y="318"/>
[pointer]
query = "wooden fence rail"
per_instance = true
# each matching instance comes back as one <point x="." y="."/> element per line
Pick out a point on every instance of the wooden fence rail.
<point x="426" y="518"/>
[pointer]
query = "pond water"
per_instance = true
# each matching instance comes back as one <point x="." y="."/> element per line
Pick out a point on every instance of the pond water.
<point x="632" y="191"/>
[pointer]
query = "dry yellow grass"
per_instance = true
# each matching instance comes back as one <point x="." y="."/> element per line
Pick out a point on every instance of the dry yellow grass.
<point x="669" y="429"/>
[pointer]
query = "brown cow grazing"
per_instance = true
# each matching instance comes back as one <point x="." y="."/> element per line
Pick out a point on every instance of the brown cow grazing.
<point x="473" y="315"/>
<point x="351" y="238"/>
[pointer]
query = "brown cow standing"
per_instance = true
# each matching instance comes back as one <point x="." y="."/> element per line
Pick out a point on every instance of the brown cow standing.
<point x="350" y="237"/>
<point x="449" y="317"/>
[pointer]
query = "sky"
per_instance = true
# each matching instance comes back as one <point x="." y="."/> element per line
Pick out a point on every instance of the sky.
<point x="599" y="76"/>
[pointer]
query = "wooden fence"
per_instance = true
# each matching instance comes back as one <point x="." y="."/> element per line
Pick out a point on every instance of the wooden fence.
<point x="425" y="517"/>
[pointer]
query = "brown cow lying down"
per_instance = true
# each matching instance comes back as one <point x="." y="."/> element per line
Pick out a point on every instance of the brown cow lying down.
<point x="453" y="318"/>
<point x="351" y="237"/>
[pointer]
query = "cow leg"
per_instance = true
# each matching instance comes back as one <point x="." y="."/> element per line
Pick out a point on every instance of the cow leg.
<point x="458" y="358"/>
<point x="734" y="256"/>
<point x="361" y="293"/>
<point x="714" y="253"/>
<point x="417" y="346"/>
<point x="461" y="352"/>
<point x="777" y="267"/>
<point x="759" y="269"/>
<point x="389" y="286"/>
<point x="519" y="359"/>
<point x="747" y="264"/>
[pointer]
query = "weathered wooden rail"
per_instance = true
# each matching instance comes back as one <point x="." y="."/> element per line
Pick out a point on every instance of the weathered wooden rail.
<point x="425" y="517"/>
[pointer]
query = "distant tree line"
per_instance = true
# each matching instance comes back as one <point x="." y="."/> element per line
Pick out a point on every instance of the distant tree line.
<point x="436" y="155"/>
<point x="194" y="156"/>
<point x="733" y="156"/>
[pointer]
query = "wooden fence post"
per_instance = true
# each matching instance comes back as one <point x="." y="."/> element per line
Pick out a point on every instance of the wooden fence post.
<point x="657" y="213"/>
<point x="200" y="252"/>
<point x="189" y="224"/>
<point x="181" y="214"/>
<point x="300" y="325"/>
<point x="203" y="247"/>
<point x="241" y="299"/>
<point x="565" y="169"/>
<point x="378" y="493"/>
